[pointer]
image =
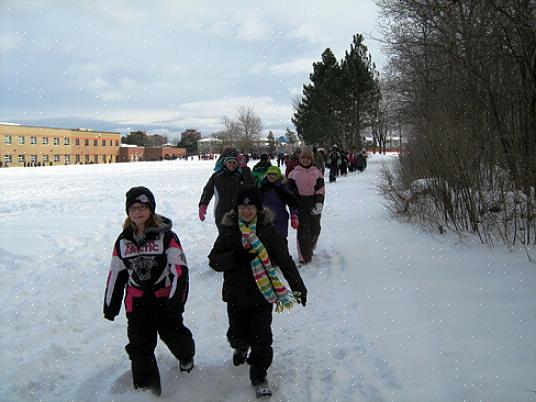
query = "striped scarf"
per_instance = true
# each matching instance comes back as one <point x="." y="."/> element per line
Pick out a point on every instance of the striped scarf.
<point x="265" y="275"/>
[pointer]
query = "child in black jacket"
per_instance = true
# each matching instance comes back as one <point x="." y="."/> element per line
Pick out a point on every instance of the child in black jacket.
<point x="149" y="262"/>
<point x="243" y="251"/>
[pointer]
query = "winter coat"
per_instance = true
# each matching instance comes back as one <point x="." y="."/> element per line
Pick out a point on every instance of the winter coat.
<point x="224" y="185"/>
<point x="277" y="196"/>
<point x="307" y="184"/>
<point x="319" y="161"/>
<point x="334" y="160"/>
<point x="361" y="160"/>
<point x="153" y="269"/>
<point x="291" y="164"/>
<point x="239" y="286"/>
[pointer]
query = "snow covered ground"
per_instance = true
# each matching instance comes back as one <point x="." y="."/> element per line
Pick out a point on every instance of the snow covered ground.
<point x="393" y="314"/>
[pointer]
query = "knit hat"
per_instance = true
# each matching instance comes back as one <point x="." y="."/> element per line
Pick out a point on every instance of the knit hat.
<point x="248" y="195"/>
<point x="264" y="157"/>
<point x="307" y="153"/>
<point x="276" y="170"/>
<point x="230" y="159"/>
<point x="142" y="195"/>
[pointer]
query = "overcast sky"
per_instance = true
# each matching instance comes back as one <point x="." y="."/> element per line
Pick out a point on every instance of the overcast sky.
<point x="165" y="66"/>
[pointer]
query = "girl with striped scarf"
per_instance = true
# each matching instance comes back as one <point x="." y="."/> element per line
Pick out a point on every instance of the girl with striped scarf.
<point x="246" y="251"/>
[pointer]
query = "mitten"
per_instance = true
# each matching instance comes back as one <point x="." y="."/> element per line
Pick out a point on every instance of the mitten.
<point x="109" y="316"/>
<point x="202" y="212"/>
<point x="317" y="210"/>
<point x="303" y="297"/>
<point x="294" y="221"/>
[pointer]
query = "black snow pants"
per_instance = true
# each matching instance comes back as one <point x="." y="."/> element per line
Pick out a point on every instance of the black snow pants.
<point x="308" y="231"/>
<point x="250" y="327"/>
<point x="144" y="323"/>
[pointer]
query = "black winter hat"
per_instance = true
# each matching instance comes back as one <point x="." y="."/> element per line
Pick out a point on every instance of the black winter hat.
<point x="248" y="195"/>
<point x="142" y="195"/>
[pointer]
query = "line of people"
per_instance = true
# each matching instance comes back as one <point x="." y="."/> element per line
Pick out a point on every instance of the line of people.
<point x="149" y="270"/>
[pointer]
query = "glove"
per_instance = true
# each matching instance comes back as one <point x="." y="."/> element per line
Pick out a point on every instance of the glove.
<point x="243" y="257"/>
<point x="317" y="210"/>
<point x="109" y="316"/>
<point x="303" y="297"/>
<point x="202" y="212"/>
<point x="294" y="221"/>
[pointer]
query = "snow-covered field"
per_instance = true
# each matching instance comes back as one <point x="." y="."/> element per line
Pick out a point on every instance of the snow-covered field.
<point x="393" y="314"/>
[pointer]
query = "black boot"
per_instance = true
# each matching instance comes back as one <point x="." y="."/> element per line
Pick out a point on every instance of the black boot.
<point x="239" y="357"/>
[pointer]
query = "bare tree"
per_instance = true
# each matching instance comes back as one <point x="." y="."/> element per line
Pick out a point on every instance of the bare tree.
<point x="250" y="125"/>
<point x="465" y="74"/>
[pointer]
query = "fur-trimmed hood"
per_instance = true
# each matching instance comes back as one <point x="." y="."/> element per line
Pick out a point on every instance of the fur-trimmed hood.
<point x="264" y="217"/>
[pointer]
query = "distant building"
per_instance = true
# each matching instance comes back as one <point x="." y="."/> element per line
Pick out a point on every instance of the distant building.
<point x="45" y="146"/>
<point x="209" y="146"/>
<point x="163" y="153"/>
<point x="130" y="153"/>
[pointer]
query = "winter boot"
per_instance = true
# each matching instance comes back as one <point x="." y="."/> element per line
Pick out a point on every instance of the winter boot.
<point x="186" y="365"/>
<point x="239" y="357"/>
<point x="262" y="390"/>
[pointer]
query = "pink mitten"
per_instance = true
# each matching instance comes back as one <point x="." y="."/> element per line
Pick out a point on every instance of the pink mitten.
<point x="294" y="221"/>
<point x="202" y="212"/>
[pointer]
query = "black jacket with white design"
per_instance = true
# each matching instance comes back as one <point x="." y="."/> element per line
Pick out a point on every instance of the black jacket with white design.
<point x="154" y="271"/>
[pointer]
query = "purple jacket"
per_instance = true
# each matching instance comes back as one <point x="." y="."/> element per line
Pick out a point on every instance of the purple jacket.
<point x="277" y="196"/>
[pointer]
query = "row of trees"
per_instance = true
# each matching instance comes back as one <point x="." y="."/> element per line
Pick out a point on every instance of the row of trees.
<point x="342" y="99"/>
<point x="140" y="138"/>
<point x="464" y="75"/>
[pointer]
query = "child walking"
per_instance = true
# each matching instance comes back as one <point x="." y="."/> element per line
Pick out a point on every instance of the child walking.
<point x="307" y="184"/>
<point x="149" y="262"/>
<point x="277" y="197"/>
<point x="243" y="251"/>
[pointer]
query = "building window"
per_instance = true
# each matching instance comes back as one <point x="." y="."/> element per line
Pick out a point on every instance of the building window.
<point x="45" y="140"/>
<point x="56" y="158"/>
<point x="116" y="143"/>
<point x="45" y="158"/>
<point x="103" y="158"/>
<point x="77" y="141"/>
<point x="95" y="143"/>
<point x="21" y="140"/>
<point x="7" y="139"/>
<point x="87" y="158"/>
<point x="8" y="159"/>
<point x="67" y="159"/>
<point x="111" y="143"/>
<point x="56" y="140"/>
<point x="33" y="140"/>
<point x="33" y="158"/>
<point x="21" y="158"/>
<point x="96" y="158"/>
<point x="66" y="141"/>
<point x="86" y="142"/>
<point x="77" y="159"/>
<point x="103" y="143"/>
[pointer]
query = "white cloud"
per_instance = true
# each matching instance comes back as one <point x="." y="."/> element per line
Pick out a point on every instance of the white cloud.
<point x="299" y="66"/>
<point x="253" y="29"/>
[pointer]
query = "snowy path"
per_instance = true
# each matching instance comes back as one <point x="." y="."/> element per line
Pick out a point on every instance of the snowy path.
<point x="393" y="314"/>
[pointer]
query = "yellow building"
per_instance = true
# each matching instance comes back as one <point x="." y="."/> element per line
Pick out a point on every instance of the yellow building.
<point x="43" y="146"/>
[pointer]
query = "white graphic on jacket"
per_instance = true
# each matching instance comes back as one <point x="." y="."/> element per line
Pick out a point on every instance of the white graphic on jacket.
<point x="142" y="266"/>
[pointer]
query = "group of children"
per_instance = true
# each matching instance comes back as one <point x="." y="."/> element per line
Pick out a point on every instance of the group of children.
<point x="252" y="219"/>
